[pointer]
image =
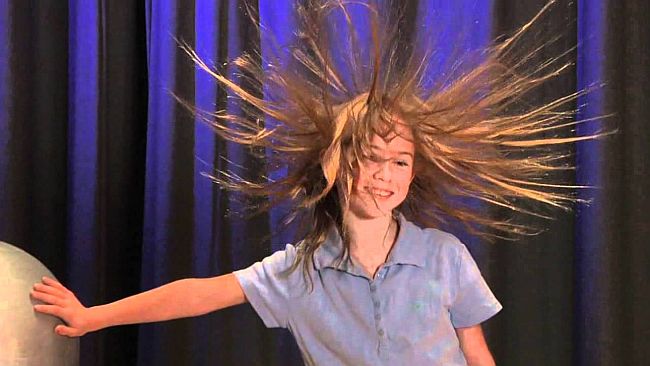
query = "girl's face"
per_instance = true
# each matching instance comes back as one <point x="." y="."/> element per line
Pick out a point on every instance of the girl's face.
<point x="382" y="181"/>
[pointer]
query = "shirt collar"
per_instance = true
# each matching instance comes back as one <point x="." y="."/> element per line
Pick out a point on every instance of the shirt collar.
<point x="408" y="249"/>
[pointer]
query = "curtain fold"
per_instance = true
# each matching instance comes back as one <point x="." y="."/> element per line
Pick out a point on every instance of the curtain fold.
<point x="612" y="236"/>
<point x="102" y="171"/>
<point x="591" y="262"/>
<point x="534" y="276"/>
<point x="106" y="141"/>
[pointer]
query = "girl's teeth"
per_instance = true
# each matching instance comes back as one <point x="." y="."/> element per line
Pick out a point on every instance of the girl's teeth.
<point x="381" y="193"/>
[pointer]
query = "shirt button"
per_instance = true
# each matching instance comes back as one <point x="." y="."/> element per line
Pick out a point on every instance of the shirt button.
<point x="373" y="287"/>
<point x="380" y="332"/>
<point x="377" y="316"/>
<point x="376" y="303"/>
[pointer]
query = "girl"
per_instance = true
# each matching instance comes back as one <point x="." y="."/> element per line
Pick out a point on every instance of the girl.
<point x="403" y="295"/>
<point x="369" y="154"/>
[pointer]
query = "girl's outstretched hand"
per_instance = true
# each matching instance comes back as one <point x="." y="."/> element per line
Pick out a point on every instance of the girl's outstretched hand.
<point x="62" y="303"/>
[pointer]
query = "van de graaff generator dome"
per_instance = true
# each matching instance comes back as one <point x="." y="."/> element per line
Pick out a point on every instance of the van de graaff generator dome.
<point x="27" y="338"/>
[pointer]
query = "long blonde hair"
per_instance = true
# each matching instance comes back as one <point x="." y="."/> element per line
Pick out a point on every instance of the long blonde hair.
<point x="470" y="140"/>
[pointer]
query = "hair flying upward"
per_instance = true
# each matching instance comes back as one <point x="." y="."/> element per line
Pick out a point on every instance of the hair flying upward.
<point x="473" y="136"/>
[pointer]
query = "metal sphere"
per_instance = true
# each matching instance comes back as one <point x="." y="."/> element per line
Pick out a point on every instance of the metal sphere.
<point x="27" y="338"/>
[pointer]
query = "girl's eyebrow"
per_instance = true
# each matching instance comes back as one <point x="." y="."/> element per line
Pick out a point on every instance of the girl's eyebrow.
<point x="398" y="152"/>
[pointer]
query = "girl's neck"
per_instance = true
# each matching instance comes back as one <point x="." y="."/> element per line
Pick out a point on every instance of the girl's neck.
<point x="371" y="239"/>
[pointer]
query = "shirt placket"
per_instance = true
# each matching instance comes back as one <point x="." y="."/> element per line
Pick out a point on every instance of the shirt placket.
<point x="382" y="343"/>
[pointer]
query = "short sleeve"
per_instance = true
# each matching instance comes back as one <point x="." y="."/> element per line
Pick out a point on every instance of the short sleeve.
<point x="474" y="302"/>
<point x="267" y="286"/>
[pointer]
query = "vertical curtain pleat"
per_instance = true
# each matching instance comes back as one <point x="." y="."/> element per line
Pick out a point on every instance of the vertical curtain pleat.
<point x="533" y="276"/>
<point x="206" y="30"/>
<point x="84" y="94"/>
<point x="613" y="249"/>
<point x="168" y="216"/>
<point x="106" y="141"/>
<point x="5" y="100"/>
<point x="591" y="261"/>
<point x="634" y="202"/>
<point x="35" y="133"/>
<point x="278" y="20"/>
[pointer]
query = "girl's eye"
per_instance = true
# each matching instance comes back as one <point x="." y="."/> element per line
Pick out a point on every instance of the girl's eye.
<point x="402" y="163"/>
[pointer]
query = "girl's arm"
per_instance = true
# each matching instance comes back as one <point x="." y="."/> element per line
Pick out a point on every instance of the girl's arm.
<point x="178" y="299"/>
<point x="474" y="347"/>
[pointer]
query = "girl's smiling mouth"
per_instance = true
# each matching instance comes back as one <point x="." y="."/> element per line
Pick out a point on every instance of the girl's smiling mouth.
<point x="377" y="192"/>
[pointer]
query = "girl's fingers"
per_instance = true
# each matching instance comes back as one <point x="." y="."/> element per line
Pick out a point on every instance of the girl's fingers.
<point x="48" y="290"/>
<point x="54" y="283"/>
<point x="49" y="309"/>
<point x="47" y="298"/>
<point x="64" y="330"/>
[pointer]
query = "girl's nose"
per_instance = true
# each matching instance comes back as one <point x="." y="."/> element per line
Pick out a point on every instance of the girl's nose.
<point x="383" y="173"/>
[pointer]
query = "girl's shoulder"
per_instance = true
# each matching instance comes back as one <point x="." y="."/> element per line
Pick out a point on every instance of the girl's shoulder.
<point x="436" y="247"/>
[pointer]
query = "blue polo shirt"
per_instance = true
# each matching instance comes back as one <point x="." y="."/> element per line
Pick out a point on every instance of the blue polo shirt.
<point x="406" y="315"/>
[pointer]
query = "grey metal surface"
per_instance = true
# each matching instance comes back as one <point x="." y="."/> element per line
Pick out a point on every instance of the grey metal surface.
<point x="27" y="338"/>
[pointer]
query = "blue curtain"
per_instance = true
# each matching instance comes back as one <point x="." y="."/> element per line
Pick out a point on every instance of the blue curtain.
<point x="101" y="172"/>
